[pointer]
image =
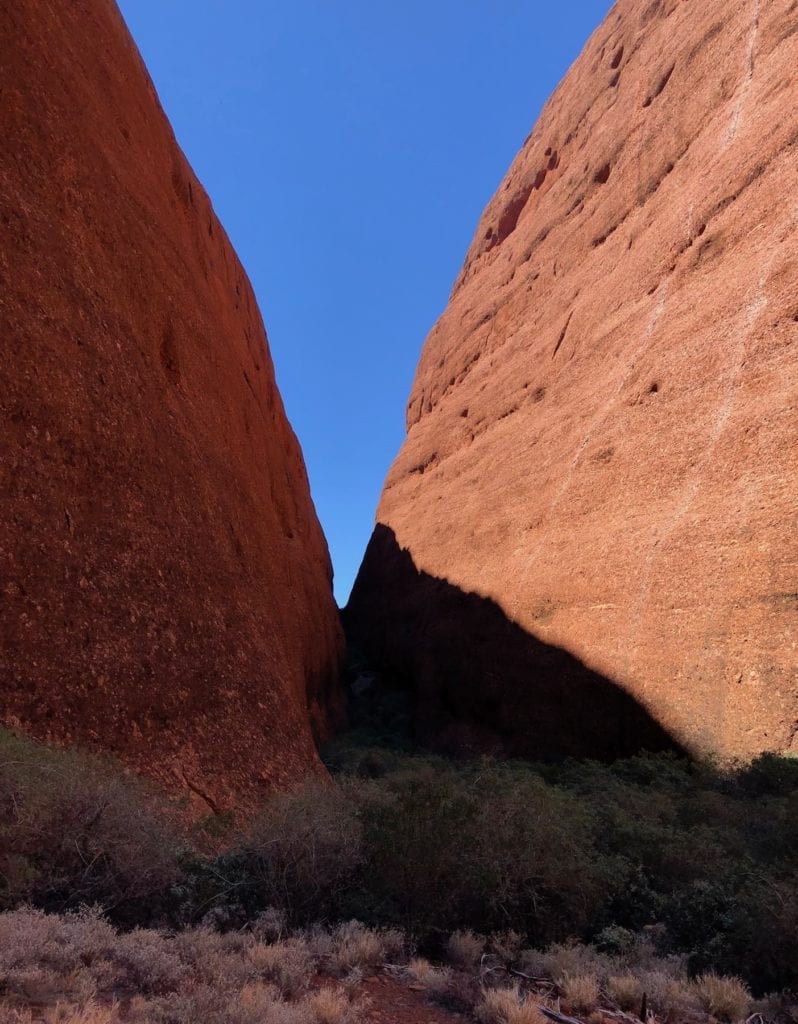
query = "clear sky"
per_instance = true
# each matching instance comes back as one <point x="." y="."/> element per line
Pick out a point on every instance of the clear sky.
<point x="349" y="147"/>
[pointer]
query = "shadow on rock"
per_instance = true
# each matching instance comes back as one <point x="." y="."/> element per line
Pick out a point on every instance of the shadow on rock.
<point x="481" y="683"/>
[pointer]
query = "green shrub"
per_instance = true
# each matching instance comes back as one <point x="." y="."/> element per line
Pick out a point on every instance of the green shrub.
<point x="647" y="858"/>
<point x="300" y="853"/>
<point x="533" y="867"/>
<point x="638" y="867"/>
<point x="75" y="830"/>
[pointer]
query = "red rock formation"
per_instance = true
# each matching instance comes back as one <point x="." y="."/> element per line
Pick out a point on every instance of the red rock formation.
<point x="164" y="583"/>
<point x="603" y="429"/>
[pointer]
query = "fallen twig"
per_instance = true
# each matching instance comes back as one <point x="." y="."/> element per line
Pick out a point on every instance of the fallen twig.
<point x="537" y="981"/>
<point x="558" y="1018"/>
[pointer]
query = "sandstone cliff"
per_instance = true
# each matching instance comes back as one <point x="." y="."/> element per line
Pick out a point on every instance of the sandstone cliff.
<point x="603" y="429"/>
<point x="164" y="582"/>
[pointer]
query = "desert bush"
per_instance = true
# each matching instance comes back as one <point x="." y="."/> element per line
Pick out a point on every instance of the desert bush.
<point x="464" y="949"/>
<point x="581" y="991"/>
<point x="650" y="863"/>
<point x="253" y="1004"/>
<point x="320" y="943"/>
<point x="394" y="944"/>
<point x="213" y="959"/>
<point x="534" y="870"/>
<point x="287" y="964"/>
<point x="622" y="951"/>
<point x="90" y="1013"/>
<point x="354" y="945"/>
<point x="562" y="960"/>
<point x="488" y="849"/>
<point x="434" y="980"/>
<point x="300" y="852"/>
<point x="723" y="997"/>
<point x="270" y="925"/>
<point x="75" y="966"/>
<point x="259" y="1004"/>
<point x="75" y="830"/>
<point x="670" y="998"/>
<point x="32" y="937"/>
<point x="650" y="857"/>
<point x="331" y="1006"/>
<point x="45" y="957"/>
<point x="762" y="944"/>
<point x="506" y="945"/>
<point x="142" y="962"/>
<point x="417" y="828"/>
<point x="777" y="1006"/>
<point x="203" y="1003"/>
<point x="507" y="1006"/>
<point x="626" y="991"/>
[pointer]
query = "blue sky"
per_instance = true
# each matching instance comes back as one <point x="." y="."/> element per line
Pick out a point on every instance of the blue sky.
<point x="349" y="147"/>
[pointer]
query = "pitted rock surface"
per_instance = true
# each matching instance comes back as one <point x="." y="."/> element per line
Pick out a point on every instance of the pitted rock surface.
<point x="164" y="582"/>
<point x="603" y="428"/>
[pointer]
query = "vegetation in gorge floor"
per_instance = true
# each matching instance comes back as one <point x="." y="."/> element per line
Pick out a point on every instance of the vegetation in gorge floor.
<point x="489" y="887"/>
<point x="76" y="968"/>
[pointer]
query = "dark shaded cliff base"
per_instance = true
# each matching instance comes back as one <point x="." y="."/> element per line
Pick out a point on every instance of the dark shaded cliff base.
<point x="481" y="683"/>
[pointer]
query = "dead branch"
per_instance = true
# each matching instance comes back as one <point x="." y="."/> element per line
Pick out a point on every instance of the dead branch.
<point x="558" y="1018"/>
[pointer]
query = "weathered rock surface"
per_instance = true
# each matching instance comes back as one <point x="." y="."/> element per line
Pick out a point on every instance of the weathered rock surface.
<point x="164" y="582"/>
<point x="603" y="429"/>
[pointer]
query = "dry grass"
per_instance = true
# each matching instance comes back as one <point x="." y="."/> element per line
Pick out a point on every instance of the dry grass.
<point x="669" y="997"/>
<point x="581" y="991"/>
<point x="394" y="944"/>
<point x="626" y="991"/>
<point x="91" y="1013"/>
<point x="434" y="980"/>
<point x="507" y="1006"/>
<point x="781" y="1005"/>
<point x="202" y="1004"/>
<point x="725" y="998"/>
<point x="62" y="1013"/>
<point x="564" y="959"/>
<point x="270" y="925"/>
<point x="464" y="950"/>
<point x="73" y="967"/>
<point x="581" y="970"/>
<point x="352" y="981"/>
<point x="287" y="964"/>
<point x="331" y="1006"/>
<point x="355" y="946"/>
<point x="507" y="946"/>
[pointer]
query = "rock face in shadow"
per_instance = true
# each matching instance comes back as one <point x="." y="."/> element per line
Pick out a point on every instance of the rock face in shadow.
<point x="164" y="582"/>
<point x="603" y="429"/>
<point x="525" y="698"/>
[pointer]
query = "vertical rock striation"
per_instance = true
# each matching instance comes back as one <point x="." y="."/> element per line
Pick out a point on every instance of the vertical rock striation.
<point x="603" y="429"/>
<point x="164" y="582"/>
